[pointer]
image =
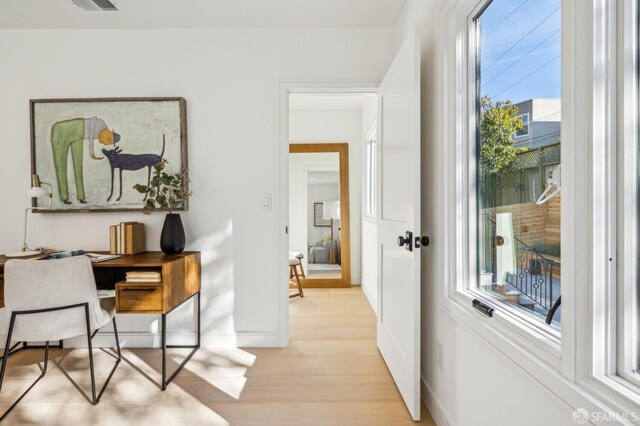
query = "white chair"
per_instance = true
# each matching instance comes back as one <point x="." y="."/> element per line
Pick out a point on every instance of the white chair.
<point x="53" y="300"/>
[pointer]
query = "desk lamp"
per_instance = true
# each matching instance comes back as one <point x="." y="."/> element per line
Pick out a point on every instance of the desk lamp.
<point x="36" y="191"/>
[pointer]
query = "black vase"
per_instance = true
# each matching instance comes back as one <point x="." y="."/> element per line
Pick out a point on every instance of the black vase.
<point x="172" y="238"/>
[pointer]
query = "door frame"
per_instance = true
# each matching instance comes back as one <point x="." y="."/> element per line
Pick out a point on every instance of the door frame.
<point x="282" y="270"/>
<point x="345" y="217"/>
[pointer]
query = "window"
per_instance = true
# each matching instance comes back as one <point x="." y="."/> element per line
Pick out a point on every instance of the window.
<point x="524" y="131"/>
<point x="516" y="187"/>
<point x="370" y="196"/>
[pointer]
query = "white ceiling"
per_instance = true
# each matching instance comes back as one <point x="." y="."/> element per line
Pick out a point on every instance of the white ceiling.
<point x="314" y="101"/>
<point x="162" y="14"/>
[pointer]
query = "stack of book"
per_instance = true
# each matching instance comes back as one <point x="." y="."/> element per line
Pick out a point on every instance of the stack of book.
<point x="144" y="277"/>
<point x="126" y="238"/>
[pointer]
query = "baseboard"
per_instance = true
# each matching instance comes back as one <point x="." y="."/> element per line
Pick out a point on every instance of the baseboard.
<point x="372" y="301"/>
<point x="439" y="415"/>
<point x="153" y="340"/>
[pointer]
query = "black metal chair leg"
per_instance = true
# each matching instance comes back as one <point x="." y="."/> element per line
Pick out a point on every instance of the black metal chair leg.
<point x="46" y="357"/>
<point x="113" y="370"/>
<point x="7" y="349"/>
<point x="93" y="378"/>
<point x="4" y="367"/>
<point x="20" y="347"/>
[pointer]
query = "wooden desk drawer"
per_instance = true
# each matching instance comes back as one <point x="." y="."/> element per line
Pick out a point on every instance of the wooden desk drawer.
<point x="138" y="297"/>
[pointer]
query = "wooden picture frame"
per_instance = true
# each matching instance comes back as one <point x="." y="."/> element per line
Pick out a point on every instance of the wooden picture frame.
<point x="345" y="222"/>
<point x="125" y="136"/>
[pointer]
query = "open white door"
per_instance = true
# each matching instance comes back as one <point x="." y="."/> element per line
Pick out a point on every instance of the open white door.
<point x="399" y="204"/>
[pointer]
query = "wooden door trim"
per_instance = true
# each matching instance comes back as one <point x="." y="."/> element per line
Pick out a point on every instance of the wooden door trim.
<point x="345" y="217"/>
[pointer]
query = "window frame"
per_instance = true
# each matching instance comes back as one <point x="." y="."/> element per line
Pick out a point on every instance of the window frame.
<point x="615" y="127"/>
<point x="579" y="368"/>
<point x="511" y="316"/>
<point x="526" y="114"/>
<point x="627" y="283"/>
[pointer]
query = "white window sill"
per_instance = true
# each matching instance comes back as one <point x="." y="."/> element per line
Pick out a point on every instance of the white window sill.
<point x="510" y="332"/>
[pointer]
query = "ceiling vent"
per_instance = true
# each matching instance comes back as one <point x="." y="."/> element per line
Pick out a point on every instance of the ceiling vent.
<point x="96" y="5"/>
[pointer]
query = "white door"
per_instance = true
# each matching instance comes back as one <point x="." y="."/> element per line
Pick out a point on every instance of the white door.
<point x="399" y="204"/>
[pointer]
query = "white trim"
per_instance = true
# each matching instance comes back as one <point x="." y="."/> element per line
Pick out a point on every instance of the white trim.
<point x="628" y="166"/>
<point x="439" y="414"/>
<point x="282" y="275"/>
<point x="600" y="336"/>
<point x="366" y="289"/>
<point x="576" y="183"/>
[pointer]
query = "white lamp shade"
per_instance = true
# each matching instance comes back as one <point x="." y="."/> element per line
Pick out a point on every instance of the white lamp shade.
<point x="331" y="210"/>
<point x="36" y="192"/>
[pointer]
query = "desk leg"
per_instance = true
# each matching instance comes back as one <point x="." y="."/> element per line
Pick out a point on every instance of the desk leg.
<point x="195" y="348"/>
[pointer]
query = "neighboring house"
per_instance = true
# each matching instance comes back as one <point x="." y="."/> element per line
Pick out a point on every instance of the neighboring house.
<point x="541" y="119"/>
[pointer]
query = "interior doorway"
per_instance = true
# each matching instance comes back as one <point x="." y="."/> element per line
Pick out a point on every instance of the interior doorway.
<point x="331" y="120"/>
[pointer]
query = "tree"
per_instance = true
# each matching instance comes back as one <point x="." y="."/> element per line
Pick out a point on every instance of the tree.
<point x="498" y="124"/>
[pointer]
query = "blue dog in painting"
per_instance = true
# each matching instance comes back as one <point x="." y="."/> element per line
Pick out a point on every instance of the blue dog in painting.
<point x="120" y="161"/>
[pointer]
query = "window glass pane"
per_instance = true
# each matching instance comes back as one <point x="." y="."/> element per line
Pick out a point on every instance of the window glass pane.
<point x="518" y="155"/>
<point x="372" y="195"/>
<point x="525" y="126"/>
<point x="371" y="177"/>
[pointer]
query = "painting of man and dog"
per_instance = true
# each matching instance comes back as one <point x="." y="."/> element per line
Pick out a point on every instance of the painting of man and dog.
<point x="94" y="151"/>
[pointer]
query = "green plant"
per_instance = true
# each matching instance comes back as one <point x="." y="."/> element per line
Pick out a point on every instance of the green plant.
<point x="166" y="191"/>
<point x="552" y="249"/>
<point x="498" y="123"/>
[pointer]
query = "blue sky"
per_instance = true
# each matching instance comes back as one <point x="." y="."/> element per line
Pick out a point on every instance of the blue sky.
<point x="519" y="49"/>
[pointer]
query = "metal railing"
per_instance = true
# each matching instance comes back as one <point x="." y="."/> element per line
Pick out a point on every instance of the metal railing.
<point x="533" y="277"/>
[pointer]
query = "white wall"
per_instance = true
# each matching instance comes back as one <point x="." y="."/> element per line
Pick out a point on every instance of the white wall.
<point x="369" y="224"/>
<point x="330" y="125"/>
<point x="230" y="79"/>
<point x="477" y="384"/>
<point x="299" y="164"/>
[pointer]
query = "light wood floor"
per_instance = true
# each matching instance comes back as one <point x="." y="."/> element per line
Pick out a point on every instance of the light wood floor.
<point x="331" y="374"/>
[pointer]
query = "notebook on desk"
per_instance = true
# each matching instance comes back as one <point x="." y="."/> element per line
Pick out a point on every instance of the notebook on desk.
<point x="93" y="257"/>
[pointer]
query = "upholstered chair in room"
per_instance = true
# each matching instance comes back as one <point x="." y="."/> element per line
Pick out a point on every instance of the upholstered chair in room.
<point x="49" y="300"/>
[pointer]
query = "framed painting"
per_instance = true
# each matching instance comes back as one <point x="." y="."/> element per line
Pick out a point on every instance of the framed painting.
<point x="318" y="216"/>
<point x="93" y="151"/>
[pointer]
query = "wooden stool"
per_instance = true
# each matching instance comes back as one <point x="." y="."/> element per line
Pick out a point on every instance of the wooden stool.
<point x="294" y="262"/>
<point x="298" y="256"/>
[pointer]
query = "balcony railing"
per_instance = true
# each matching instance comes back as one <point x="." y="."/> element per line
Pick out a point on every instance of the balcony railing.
<point x="533" y="277"/>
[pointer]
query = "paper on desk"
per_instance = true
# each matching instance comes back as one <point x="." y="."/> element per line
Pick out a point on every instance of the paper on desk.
<point x="105" y="294"/>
